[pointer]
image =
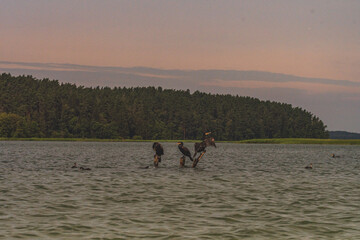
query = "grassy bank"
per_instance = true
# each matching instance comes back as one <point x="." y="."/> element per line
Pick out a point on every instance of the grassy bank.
<point x="266" y="141"/>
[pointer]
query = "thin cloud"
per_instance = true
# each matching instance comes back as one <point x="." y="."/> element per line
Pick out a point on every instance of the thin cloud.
<point x="210" y="77"/>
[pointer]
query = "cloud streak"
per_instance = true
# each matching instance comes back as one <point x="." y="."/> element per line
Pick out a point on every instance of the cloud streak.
<point x="143" y="73"/>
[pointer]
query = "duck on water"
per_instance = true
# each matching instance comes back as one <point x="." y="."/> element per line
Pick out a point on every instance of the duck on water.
<point x="81" y="168"/>
<point x="310" y="166"/>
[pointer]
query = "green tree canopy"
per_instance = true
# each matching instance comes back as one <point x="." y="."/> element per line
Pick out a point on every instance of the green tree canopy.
<point x="44" y="108"/>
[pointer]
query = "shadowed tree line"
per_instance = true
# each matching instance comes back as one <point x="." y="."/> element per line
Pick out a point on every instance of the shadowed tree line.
<point x="45" y="108"/>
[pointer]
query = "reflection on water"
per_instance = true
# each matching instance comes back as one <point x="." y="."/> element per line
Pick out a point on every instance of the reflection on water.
<point x="236" y="192"/>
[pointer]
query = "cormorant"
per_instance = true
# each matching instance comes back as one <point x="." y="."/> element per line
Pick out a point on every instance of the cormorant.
<point x="200" y="147"/>
<point x="184" y="150"/>
<point x="159" y="150"/>
<point x="206" y="135"/>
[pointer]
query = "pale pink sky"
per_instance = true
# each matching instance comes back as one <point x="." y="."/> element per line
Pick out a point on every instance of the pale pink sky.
<point x="307" y="38"/>
<point x="314" y="39"/>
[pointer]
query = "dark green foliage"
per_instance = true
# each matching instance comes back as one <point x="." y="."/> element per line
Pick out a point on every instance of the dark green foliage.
<point x="44" y="108"/>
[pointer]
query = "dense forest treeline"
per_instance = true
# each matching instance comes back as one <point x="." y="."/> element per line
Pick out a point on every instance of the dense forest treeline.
<point x="45" y="108"/>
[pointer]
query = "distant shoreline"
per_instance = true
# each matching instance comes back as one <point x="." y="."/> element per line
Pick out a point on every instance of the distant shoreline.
<point x="251" y="141"/>
<point x="304" y="141"/>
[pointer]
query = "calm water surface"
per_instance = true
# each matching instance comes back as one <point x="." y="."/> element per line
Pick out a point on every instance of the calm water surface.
<point x="236" y="192"/>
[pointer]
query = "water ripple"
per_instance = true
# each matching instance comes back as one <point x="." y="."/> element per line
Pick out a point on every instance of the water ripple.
<point x="236" y="192"/>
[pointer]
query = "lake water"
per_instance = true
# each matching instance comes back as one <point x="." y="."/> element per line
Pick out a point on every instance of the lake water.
<point x="237" y="191"/>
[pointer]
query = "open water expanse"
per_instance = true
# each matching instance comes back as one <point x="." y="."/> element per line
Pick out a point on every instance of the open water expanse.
<point x="237" y="191"/>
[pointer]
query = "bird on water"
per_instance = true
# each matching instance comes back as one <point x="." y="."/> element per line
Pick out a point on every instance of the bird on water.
<point x="200" y="147"/>
<point x="159" y="151"/>
<point x="184" y="150"/>
<point x="310" y="166"/>
<point x="81" y="168"/>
